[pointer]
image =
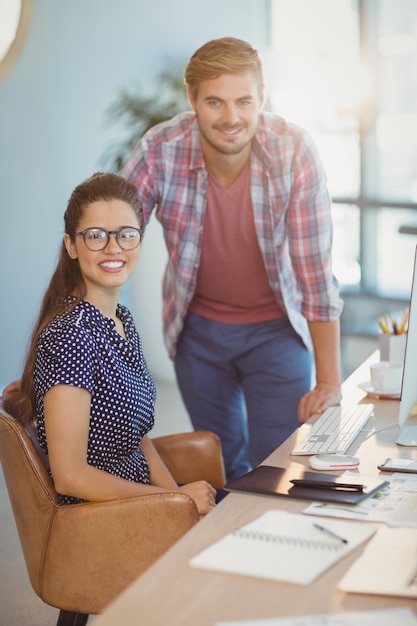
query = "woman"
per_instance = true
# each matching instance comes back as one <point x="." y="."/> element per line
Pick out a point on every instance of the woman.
<point x="85" y="377"/>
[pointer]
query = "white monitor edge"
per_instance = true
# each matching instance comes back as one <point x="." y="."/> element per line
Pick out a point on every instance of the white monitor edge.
<point x="406" y="421"/>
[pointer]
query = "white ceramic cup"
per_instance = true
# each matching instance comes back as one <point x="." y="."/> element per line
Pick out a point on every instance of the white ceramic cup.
<point x="387" y="376"/>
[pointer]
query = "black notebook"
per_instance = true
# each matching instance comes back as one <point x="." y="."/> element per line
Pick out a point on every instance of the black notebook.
<point x="305" y="485"/>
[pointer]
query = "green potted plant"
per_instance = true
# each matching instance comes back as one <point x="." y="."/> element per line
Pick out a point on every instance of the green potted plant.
<point x="138" y="112"/>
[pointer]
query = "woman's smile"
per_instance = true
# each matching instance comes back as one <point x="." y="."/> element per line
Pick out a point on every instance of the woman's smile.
<point x="112" y="266"/>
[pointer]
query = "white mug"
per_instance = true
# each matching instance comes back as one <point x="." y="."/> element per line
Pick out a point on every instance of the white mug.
<point x="387" y="376"/>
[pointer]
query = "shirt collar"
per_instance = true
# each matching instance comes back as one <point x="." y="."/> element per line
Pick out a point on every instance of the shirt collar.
<point x="87" y="314"/>
<point x="259" y="145"/>
<point x="197" y="158"/>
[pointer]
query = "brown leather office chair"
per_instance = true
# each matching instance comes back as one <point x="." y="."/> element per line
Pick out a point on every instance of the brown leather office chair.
<point x="80" y="556"/>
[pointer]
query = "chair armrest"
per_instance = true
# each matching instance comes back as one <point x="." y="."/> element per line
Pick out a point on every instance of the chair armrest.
<point x="193" y="456"/>
<point x="106" y="545"/>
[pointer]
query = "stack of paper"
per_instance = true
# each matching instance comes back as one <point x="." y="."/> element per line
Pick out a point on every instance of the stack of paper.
<point x="386" y="617"/>
<point x="387" y="566"/>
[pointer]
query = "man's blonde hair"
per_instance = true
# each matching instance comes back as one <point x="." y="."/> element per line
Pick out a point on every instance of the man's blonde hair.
<point x="222" y="56"/>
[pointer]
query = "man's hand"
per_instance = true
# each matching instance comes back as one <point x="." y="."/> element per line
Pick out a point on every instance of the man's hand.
<point x="317" y="400"/>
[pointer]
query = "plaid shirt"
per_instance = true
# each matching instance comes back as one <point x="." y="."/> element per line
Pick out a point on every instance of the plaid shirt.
<point x="291" y="208"/>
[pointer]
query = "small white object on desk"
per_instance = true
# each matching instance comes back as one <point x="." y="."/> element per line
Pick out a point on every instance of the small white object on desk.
<point x="399" y="465"/>
<point x="378" y="393"/>
<point x="333" y="461"/>
<point x="392" y="347"/>
<point x="387" y="376"/>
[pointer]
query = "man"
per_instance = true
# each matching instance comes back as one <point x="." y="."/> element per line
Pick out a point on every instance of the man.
<point x="248" y="288"/>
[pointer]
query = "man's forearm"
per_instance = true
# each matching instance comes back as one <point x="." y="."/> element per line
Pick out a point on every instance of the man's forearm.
<point x="326" y="343"/>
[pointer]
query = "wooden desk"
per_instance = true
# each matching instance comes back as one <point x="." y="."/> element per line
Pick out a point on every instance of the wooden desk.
<point x="171" y="593"/>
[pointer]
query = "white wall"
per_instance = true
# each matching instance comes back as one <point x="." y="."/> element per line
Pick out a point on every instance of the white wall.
<point x="53" y="135"/>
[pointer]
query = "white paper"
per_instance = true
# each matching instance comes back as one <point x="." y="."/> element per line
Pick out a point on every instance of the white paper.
<point x="406" y="513"/>
<point x="387" y="565"/>
<point x="383" y="507"/>
<point x="387" y="617"/>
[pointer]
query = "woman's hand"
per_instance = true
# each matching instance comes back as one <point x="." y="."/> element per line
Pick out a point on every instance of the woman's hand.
<point x="11" y="387"/>
<point x="203" y="494"/>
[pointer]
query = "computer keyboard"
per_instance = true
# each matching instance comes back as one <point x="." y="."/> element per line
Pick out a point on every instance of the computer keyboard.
<point x="334" y="430"/>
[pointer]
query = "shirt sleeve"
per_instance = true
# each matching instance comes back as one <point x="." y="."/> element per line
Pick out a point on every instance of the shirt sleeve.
<point x="310" y="235"/>
<point x="65" y="356"/>
<point x="140" y="170"/>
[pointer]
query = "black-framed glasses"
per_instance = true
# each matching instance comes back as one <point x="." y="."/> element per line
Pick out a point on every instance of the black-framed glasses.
<point x="96" y="239"/>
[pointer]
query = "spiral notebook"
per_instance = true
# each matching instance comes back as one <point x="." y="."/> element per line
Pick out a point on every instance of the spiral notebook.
<point x="283" y="546"/>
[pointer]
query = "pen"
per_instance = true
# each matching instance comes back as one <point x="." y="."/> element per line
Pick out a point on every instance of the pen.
<point x="394" y="326"/>
<point x="328" y="486"/>
<point x="413" y="579"/>
<point x="330" y="532"/>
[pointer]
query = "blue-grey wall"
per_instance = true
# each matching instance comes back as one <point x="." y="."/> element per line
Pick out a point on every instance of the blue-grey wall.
<point x="53" y="134"/>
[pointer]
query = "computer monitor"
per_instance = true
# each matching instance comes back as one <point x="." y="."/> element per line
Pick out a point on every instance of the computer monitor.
<point x="407" y="417"/>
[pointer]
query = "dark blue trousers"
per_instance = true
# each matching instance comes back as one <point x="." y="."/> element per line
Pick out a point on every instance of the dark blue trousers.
<point x="242" y="381"/>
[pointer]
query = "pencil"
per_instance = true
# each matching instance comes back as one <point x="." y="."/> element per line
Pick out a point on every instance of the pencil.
<point x="403" y="322"/>
<point x="383" y="326"/>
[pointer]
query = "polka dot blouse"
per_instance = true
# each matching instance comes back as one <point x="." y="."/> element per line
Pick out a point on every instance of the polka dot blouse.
<point x="82" y="348"/>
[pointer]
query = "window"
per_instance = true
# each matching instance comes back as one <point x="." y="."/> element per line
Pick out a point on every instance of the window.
<point x="347" y="72"/>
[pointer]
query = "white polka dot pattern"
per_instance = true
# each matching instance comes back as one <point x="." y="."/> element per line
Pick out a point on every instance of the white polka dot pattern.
<point x="82" y="348"/>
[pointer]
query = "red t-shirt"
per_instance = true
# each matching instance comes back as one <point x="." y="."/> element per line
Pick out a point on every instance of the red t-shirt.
<point x="232" y="284"/>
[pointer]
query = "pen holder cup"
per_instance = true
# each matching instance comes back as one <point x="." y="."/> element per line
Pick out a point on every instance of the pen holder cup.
<point x="392" y="347"/>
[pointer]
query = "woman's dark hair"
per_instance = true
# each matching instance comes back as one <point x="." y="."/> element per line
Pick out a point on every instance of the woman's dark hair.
<point x="67" y="278"/>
